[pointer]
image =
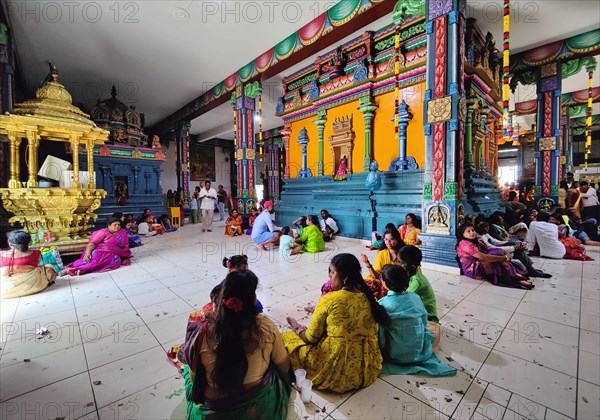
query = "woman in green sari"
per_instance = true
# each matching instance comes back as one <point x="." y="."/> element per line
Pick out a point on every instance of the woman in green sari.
<point x="311" y="239"/>
<point x="237" y="363"/>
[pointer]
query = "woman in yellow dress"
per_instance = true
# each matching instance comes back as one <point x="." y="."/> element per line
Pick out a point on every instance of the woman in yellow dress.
<point x="389" y="255"/>
<point x="233" y="224"/>
<point x="410" y="230"/>
<point x="339" y="349"/>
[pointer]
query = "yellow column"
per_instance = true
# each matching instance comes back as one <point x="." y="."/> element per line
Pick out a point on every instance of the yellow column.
<point x="90" y="163"/>
<point x="15" y="142"/>
<point x="33" y="142"/>
<point x="75" y="147"/>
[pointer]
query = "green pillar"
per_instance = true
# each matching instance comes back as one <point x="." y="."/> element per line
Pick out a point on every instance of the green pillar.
<point x="367" y="107"/>
<point x="469" y="162"/>
<point x="485" y="109"/>
<point x="320" y="123"/>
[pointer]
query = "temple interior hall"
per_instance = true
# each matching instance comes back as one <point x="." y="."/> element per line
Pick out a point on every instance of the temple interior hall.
<point x="143" y="144"/>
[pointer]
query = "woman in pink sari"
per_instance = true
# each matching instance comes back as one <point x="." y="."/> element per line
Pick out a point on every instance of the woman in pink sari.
<point x="107" y="250"/>
<point x="494" y="265"/>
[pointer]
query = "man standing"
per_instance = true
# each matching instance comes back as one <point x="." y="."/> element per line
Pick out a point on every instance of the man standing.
<point x="591" y="206"/>
<point x="263" y="230"/>
<point x="222" y="198"/>
<point x="209" y="197"/>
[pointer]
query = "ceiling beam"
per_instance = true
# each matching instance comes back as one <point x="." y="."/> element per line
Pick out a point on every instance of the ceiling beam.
<point x="191" y="110"/>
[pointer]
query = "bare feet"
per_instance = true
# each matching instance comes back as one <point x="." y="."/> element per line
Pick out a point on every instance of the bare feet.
<point x="309" y="308"/>
<point x="293" y="323"/>
<point x="262" y="247"/>
<point x="62" y="272"/>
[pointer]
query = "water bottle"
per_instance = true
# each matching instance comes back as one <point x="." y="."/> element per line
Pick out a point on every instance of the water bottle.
<point x="40" y="234"/>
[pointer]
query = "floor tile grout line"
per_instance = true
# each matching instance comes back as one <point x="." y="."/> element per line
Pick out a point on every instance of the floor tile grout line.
<point x="12" y="321"/>
<point x="140" y="390"/>
<point x="427" y="403"/>
<point x="145" y="323"/>
<point x="500" y="351"/>
<point x="87" y="365"/>
<point x="578" y="346"/>
<point x="478" y="401"/>
<point x="43" y="386"/>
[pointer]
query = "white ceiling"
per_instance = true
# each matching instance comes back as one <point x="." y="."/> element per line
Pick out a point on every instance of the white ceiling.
<point x="160" y="61"/>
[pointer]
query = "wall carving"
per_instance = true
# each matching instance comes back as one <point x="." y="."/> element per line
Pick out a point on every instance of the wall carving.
<point x="439" y="109"/>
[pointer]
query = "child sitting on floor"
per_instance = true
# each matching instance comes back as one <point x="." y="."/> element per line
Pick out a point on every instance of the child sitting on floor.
<point x="406" y="343"/>
<point x="411" y="257"/>
<point x="287" y="246"/>
<point x="251" y="219"/>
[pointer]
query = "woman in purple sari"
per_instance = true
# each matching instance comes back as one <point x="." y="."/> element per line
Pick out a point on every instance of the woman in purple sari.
<point x="107" y="250"/>
<point x="494" y="265"/>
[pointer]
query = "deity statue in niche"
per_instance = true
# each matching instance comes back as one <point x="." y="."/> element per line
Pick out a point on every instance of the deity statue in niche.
<point x="156" y="142"/>
<point x="342" y="170"/>
<point x="121" y="194"/>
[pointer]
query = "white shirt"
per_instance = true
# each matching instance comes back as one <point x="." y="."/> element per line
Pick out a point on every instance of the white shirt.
<point x="331" y="223"/>
<point x="491" y="242"/>
<point x="194" y="204"/>
<point x="546" y="236"/>
<point x="144" y="229"/>
<point x="208" y="203"/>
<point x="589" y="198"/>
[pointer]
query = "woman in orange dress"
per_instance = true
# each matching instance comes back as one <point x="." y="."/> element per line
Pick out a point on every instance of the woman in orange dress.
<point x="233" y="224"/>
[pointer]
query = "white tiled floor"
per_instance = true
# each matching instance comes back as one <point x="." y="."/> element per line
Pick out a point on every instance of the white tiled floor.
<point x="519" y="354"/>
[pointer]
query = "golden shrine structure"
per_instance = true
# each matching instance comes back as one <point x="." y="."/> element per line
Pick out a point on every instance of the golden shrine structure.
<point x="64" y="212"/>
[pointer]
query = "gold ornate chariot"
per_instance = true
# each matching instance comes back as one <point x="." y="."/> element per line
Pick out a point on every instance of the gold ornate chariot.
<point x="64" y="212"/>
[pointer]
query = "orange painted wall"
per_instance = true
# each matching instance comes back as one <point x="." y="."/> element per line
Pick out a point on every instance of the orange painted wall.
<point x="385" y="146"/>
<point x="358" y="126"/>
<point x="295" y="163"/>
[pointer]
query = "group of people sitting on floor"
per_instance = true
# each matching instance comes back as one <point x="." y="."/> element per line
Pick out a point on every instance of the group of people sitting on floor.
<point x="310" y="236"/>
<point x="498" y="249"/>
<point x="149" y="225"/>
<point x="236" y="363"/>
<point x="409" y="233"/>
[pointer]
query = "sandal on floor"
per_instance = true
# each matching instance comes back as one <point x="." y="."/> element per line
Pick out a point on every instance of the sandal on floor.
<point x="524" y="284"/>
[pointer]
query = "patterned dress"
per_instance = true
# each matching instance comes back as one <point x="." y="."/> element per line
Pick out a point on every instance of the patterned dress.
<point x="345" y="352"/>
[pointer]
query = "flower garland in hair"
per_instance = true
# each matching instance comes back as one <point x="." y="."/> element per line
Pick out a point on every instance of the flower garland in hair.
<point x="235" y="304"/>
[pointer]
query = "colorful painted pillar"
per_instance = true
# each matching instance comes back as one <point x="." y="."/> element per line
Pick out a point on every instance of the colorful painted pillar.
<point x="445" y="116"/>
<point x="183" y="159"/>
<point x="320" y="123"/>
<point x="274" y="162"/>
<point x="547" y="144"/>
<point x="468" y="147"/>
<point x="245" y="147"/>
<point x="286" y="134"/>
<point x="367" y="107"/>
<point x="303" y="140"/>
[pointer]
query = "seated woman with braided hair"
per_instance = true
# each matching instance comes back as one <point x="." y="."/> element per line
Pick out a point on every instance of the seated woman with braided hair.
<point x="339" y="349"/>
<point x="237" y="366"/>
<point x="20" y="272"/>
